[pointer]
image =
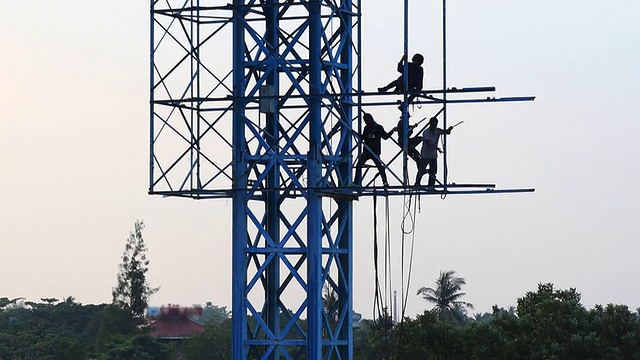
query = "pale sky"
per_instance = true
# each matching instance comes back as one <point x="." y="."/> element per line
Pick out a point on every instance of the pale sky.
<point x="74" y="82"/>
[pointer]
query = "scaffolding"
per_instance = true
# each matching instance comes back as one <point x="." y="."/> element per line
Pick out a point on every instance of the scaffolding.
<point x="260" y="102"/>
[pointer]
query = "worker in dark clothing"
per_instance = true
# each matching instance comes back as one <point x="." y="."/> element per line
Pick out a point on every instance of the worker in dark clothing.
<point x="415" y="75"/>
<point x="429" y="153"/>
<point x="412" y="143"/>
<point x="372" y="135"/>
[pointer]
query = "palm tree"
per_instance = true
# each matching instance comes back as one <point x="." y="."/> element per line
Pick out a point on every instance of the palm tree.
<point x="329" y="301"/>
<point x="446" y="296"/>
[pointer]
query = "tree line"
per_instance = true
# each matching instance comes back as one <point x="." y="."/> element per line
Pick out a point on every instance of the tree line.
<point x="546" y="323"/>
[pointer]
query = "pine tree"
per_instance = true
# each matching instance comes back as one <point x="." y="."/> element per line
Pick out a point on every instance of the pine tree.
<point x="133" y="291"/>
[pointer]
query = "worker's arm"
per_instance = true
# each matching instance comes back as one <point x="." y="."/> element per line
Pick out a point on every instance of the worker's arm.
<point x="383" y="133"/>
<point x="401" y="64"/>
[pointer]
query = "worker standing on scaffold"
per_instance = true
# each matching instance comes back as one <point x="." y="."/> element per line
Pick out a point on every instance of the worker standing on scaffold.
<point x="372" y="135"/>
<point x="429" y="152"/>
<point x="412" y="142"/>
<point x="415" y="76"/>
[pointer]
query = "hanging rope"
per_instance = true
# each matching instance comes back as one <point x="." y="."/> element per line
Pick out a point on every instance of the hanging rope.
<point x="381" y="301"/>
<point x="406" y="214"/>
<point x="388" y="247"/>
<point x="405" y="295"/>
<point x="377" y="299"/>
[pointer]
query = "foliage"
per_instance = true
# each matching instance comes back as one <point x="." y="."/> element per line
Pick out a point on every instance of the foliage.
<point x="446" y="297"/>
<point x="213" y="343"/>
<point x="64" y="330"/>
<point x="6" y="303"/>
<point x="553" y="324"/>
<point x="548" y="323"/>
<point x="212" y="313"/>
<point x="330" y="305"/>
<point x="114" y="322"/>
<point x="69" y="330"/>
<point x="133" y="290"/>
<point x="136" y="347"/>
<point x="374" y="339"/>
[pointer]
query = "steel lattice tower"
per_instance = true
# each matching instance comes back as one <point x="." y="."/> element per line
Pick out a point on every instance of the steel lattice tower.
<point x="255" y="101"/>
<point x="271" y="131"/>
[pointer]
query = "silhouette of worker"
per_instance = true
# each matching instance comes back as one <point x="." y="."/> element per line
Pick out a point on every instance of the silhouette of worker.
<point x="430" y="150"/>
<point x="372" y="135"/>
<point x="412" y="143"/>
<point x="416" y="73"/>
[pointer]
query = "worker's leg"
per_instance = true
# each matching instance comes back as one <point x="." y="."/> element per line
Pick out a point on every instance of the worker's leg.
<point x="366" y="155"/>
<point x="433" y="170"/>
<point x="381" y="170"/>
<point x="422" y="169"/>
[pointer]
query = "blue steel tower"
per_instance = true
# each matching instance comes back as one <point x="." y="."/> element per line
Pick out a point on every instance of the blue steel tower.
<point x="255" y="101"/>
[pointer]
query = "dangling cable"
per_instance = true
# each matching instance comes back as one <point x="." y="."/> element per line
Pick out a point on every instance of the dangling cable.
<point x="402" y="292"/>
<point x="388" y="247"/>
<point x="413" y="240"/>
<point x="406" y="213"/>
<point x="387" y="268"/>
<point x="377" y="299"/>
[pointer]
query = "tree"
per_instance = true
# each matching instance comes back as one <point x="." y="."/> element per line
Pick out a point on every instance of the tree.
<point x="552" y="324"/>
<point x="375" y="339"/>
<point x="330" y="304"/>
<point x="213" y="343"/>
<point x="212" y="313"/>
<point x="133" y="290"/>
<point x="6" y="303"/>
<point x="619" y="330"/>
<point x="446" y="297"/>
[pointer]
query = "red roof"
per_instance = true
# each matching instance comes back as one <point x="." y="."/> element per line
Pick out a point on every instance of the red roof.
<point x="174" y="327"/>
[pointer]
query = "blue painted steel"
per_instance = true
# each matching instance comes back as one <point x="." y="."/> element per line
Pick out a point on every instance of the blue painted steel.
<point x="240" y="348"/>
<point x="151" y="97"/>
<point x="405" y="105"/>
<point x="344" y="240"/>
<point x="444" y="89"/>
<point x="314" y="176"/>
<point x="266" y="120"/>
<point x="272" y="306"/>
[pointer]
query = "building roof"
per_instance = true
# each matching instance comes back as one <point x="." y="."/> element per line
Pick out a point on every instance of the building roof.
<point x="171" y="327"/>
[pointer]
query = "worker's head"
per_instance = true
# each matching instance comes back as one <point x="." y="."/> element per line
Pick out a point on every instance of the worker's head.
<point x="417" y="59"/>
<point x="368" y="119"/>
<point x="433" y="122"/>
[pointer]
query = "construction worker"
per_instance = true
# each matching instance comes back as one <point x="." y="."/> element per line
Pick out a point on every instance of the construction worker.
<point x="415" y="76"/>
<point x="429" y="153"/>
<point x="372" y="135"/>
<point x="412" y="143"/>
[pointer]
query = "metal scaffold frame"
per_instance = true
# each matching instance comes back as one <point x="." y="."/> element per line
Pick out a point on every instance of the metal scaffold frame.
<point x="255" y="101"/>
<point x="271" y="128"/>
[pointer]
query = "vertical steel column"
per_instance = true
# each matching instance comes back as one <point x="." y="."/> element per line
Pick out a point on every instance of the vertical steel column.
<point x="405" y="104"/>
<point x="239" y="186"/>
<point x="314" y="200"/>
<point x="152" y="42"/>
<point x="194" y="92"/>
<point x="198" y="99"/>
<point x="345" y="207"/>
<point x="272" y="205"/>
<point x="444" y="92"/>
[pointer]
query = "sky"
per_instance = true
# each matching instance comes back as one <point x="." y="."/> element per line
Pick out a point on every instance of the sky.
<point x="74" y="128"/>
